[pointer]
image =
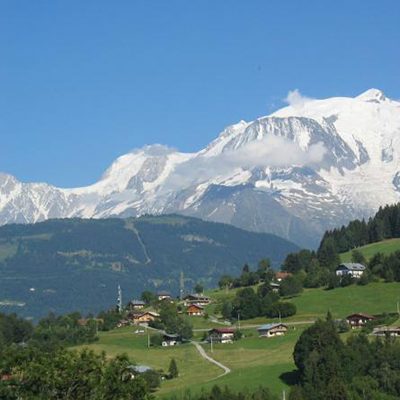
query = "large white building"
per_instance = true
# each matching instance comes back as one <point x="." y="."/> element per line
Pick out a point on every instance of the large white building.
<point x="353" y="269"/>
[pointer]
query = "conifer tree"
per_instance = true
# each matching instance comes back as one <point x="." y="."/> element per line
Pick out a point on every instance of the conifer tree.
<point x="173" y="369"/>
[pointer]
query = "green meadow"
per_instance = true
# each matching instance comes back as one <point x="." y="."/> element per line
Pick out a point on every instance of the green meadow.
<point x="386" y="247"/>
<point x="253" y="361"/>
<point x="192" y="368"/>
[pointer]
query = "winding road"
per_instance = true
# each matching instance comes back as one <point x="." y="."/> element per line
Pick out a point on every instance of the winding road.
<point x="211" y="360"/>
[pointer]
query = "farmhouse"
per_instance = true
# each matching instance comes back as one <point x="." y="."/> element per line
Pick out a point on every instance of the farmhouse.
<point x="359" y="319"/>
<point x="275" y="287"/>
<point x="353" y="269"/>
<point x="136" y="305"/>
<point x="386" y="331"/>
<point x="164" y="296"/>
<point x="221" y="335"/>
<point x="195" y="310"/>
<point x="196" y="299"/>
<point x="280" y="275"/>
<point x="144" y="317"/>
<point x="171" y="340"/>
<point x="271" y="330"/>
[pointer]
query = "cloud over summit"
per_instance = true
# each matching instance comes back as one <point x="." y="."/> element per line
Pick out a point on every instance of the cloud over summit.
<point x="294" y="98"/>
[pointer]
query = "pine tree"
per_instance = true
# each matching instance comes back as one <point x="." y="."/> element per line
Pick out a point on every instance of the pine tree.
<point x="173" y="369"/>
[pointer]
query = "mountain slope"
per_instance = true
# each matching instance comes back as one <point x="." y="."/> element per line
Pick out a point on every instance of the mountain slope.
<point x="71" y="264"/>
<point x="308" y="167"/>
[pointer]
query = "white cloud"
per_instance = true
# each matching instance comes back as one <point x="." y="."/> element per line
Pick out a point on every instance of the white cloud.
<point x="272" y="151"/>
<point x="295" y="98"/>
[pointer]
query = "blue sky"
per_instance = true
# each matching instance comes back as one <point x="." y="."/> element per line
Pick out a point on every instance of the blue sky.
<point x="82" y="82"/>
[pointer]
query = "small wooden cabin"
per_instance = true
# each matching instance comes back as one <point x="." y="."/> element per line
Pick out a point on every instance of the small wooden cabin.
<point x="171" y="340"/>
<point x="196" y="299"/>
<point x="271" y="330"/>
<point x="358" y="320"/>
<point x="195" y="310"/>
<point x="145" y="317"/>
<point x="221" y="335"/>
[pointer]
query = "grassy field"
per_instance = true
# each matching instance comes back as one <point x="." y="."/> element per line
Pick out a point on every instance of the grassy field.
<point x="385" y="247"/>
<point x="192" y="368"/>
<point x="374" y="298"/>
<point x="253" y="361"/>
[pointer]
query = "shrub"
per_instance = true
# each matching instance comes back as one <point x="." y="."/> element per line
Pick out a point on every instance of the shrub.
<point x="282" y="309"/>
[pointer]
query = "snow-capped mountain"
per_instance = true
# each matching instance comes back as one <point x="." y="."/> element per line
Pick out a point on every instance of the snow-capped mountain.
<point x="307" y="167"/>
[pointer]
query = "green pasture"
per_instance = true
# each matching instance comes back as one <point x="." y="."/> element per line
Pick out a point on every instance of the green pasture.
<point x="386" y="247"/>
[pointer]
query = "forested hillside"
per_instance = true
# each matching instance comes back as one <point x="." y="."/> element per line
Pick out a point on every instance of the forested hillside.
<point x="64" y="265"/>
<point x="384" y="225"/>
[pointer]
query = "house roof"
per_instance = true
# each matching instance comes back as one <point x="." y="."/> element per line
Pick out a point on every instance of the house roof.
<point x="141" y="368"/>
<point x="388" y="329"/>
<point x="171" y="336"/>
<point x="282" y="275"/>
<point x="223" y="330"/>
<point x="352" y="266"/>
<point x="139" y="315"/>
<point x="362" y="315"/>
<point x="268" y="327"/>
<point x="196" y="296"/>
<point x="196" y="306"/>
<point x="137" y="303"/>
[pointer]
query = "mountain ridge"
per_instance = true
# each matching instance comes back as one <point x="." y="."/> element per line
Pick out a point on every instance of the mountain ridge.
<point x="315" y="163"/>
<point x="67" y="264"/>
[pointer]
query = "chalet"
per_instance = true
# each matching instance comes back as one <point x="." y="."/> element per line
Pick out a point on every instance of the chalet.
<point x="196" y="299"/>
<point x="280" y="275"/>
<point x="144" y="317"/>
<point x="132" y="371"/>
<point x="164" y="296"/>
<point x="359" y="319"/>
<point x="271" y="330"/>
<point x="171" y="340"/>
<point x="275" y="287"/>
<point x="123" y="322"/>
<point x="221" y="335"/>
<point x="386" y="331"/>
<point x="353" y="269"/>
<point x="136" y="305"/>
<point x="195" y="310"/>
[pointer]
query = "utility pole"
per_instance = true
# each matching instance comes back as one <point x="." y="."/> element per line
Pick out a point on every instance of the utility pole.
<point x="212" y="350"/>
<point x="181" y="285"/>
<point x="119" y="300"/>
<point x="283" y="395"/>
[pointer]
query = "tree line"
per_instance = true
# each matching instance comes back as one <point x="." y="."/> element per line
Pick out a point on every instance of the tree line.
<point x="384" y="225"/>
<point x="36" y="363"/>
<point x="358" y="369"/>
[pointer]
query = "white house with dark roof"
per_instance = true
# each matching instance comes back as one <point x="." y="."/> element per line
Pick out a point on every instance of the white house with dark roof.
<point x="353" y="269"/>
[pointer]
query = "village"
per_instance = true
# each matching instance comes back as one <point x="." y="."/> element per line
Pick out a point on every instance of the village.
<point x="145" y="314"/>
